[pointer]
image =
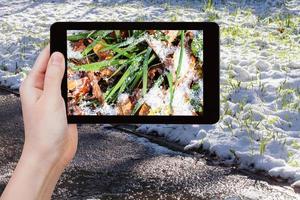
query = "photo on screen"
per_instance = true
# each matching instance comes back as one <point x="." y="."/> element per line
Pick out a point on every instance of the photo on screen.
<point x="135" y="72"/>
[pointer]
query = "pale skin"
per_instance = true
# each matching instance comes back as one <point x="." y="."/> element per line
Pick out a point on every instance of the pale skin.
<point x="50" y="143"/>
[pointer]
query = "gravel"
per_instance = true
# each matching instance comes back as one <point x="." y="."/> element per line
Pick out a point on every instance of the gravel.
<point x="111" y="164"/>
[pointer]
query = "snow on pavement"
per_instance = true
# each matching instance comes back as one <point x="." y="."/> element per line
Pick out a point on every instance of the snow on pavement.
<point x="259" y="128"/>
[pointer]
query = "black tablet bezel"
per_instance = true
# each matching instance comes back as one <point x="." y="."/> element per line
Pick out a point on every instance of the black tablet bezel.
<point x="211" y="54"/>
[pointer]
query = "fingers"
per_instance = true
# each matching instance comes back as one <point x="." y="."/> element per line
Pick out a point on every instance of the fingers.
<point x="54" y="75"/>
<point x="37" y="73"/>
<point x="41" y="62"/>
<point x="32" y="86"/>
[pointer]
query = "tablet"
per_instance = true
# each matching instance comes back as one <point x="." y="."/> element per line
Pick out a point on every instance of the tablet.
<point x="139" y="72"/>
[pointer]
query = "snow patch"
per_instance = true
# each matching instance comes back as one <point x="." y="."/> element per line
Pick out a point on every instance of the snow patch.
<point x="11" y="81"/>
<point x="71" y="53"/>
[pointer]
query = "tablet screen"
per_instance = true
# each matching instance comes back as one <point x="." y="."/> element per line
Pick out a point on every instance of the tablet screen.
<point x="135" y="72"/>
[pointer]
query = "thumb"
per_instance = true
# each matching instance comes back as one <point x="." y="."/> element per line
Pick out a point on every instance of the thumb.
<point x="54" y="74"/>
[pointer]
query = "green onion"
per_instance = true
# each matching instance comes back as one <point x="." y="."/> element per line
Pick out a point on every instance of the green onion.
<point x="145" y="70"/>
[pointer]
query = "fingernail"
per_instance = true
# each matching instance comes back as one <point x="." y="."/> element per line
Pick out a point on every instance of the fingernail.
<point x="57" y="58"/>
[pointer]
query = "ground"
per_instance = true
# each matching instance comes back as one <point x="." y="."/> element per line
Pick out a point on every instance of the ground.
<point x="111" y="164"/>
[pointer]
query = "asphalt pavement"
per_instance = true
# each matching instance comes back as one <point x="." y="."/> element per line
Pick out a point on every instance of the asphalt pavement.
<point x="111" y="164"/>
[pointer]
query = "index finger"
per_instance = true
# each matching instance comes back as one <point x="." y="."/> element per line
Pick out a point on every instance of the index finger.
<point x="37" y="73"/>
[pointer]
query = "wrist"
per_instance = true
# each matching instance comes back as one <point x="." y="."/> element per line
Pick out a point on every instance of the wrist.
<point x="42" y="160"/>
<point x="39" y="174"/>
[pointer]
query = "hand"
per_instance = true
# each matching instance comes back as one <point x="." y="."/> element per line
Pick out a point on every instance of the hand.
<point x="50" y="143"/>
<point x="46" y="130"/>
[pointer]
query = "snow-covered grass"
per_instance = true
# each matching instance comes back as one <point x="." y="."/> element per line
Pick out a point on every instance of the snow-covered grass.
<point x="259" y="127"/>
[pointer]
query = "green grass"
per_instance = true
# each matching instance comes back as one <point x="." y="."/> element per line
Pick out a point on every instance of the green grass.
<point x="295" y="145"/>
<point x="98" y="65"/>
<point x="121" y="51"/>
<point x="139" y="75"/>
<point x="285" y="100"/>
<point x="127" y="62"/>
<point x="77" y="36"/>
<point x="294" y="163"/>
<point x="131" y="69"/>
<point x="182" y="49"/>
<point x="209" y="5"/>
<point x="145" y="70"/>
<point x="137" y="106"/>
<point x="171" y="90"/>
<point x="237" y="31"/>
<point x="212" y="16"/>
<point x="130" y="77"/>
<point x="42" y="44"/>
<point x="263" y="144"/>
<point x="96" y="41"/>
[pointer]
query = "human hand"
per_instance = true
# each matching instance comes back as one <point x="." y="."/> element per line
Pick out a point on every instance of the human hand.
<point x="50" y="143"/>
<point x="47" y="133"/>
